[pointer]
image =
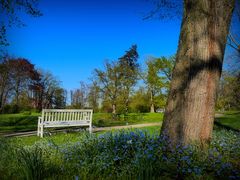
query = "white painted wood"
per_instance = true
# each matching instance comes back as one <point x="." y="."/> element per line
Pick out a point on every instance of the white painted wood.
<point x="64" y="118"/>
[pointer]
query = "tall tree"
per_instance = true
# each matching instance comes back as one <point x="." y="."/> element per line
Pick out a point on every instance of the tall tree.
<point x="190" y="107"/>
<point x="5" y="82"/>
<point x="129" y="73"/>
<point x="158" y="77"/>
<point x="109" y="82"/>
<point x="140" y="101"/>
<point x="21" y="72"/>
<point x="47" y="92"/>
<point x="79" y="96"/>
<point x="60" y="98"/>
<point x="93" y="96"/>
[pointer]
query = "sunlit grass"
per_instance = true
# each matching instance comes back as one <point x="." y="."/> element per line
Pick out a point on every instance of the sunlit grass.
<point x="10" y="123"/>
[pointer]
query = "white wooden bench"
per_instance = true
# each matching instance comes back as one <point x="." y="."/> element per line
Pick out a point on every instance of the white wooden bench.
<point x="64" y="118"/>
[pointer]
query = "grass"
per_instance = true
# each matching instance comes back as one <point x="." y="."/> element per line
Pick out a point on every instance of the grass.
<point x="62" y="138"/>
<point x="106" y="119"/>
<point x="112" y="153"/>
<point x="230" y="120"/>
<point x="10" y="123"/>
<point x="18" y="122"/>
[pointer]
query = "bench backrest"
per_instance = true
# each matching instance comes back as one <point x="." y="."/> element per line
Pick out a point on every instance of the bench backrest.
<point x="67" y="115"/>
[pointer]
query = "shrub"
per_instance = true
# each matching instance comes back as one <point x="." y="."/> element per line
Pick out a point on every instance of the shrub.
<point x="10" y="109"/>
<point x="39" y="161"/>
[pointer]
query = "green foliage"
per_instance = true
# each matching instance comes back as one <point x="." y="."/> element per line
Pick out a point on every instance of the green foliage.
<point x="229" y="92"/>
<point x="131" y="154"/>
<point x="139" y="102"/>
<point x="129" y="70"/>
<point x="10" y="109"/>
<point x="8" y="163"/>
<point x="117" y="80"/>
<point x="109" y="82"/>
<point x="39" y="161"/>
<point x="94" y="96"/>
<point x="157" y="79"/>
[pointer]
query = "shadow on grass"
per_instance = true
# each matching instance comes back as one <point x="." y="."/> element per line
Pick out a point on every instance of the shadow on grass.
<point x="221" y="125"/>
<point x="18" y="124"/>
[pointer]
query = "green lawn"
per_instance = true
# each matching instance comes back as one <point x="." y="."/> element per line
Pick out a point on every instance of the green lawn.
<point x="106" y="119"/>
<point x="18" y="122"/>
<point x="230" y="119"/>
<point x="10" y="123"/>
<point x="62" y="138"/>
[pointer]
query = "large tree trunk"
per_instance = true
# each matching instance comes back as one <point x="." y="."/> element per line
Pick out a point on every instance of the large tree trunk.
<point x="189" y="112"/>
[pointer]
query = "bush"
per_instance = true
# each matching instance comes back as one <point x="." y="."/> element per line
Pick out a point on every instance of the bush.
<point x="10" y="109"/>
<point x="101" y="123"/>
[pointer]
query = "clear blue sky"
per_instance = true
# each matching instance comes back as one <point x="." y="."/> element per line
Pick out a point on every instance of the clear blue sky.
<point x="72" y="38"/>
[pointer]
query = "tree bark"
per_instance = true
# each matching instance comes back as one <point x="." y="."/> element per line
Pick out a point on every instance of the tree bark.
<point x="152" y="109"/>
<point x="114" y="109"/>
<point x="190" y="107"/>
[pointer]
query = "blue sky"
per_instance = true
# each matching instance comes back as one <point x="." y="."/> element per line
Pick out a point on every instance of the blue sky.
<point x="72" y="38"/>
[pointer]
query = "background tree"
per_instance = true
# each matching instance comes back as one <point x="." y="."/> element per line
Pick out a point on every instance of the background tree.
<point x="140" y="101"/>
<point x="234" y="36"/>
<point x="60" y="98"/>
<point x="5" y="82"/>
<point x="109" y="81"/>
<point x="94" y="96"/>
<point x="158" y="77"/>
<point x="79" y="97"/>
<point x="47" y="92"/>
<point x="190" y="107"/>
<point x="76" y="99"/>
<point x="129" y="70"/>
<point x="229" y="91"/>
<point x="22" y="73"/>
<point x="9" y="13"/>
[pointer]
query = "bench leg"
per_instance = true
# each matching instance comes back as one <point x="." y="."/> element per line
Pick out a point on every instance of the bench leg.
<point x="38" y="130"/>
<point x="90" y="128"/>
<point x="41" y="133"/>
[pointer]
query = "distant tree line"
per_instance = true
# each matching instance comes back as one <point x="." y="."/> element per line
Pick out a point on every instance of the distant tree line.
<point x="122" y="86"/>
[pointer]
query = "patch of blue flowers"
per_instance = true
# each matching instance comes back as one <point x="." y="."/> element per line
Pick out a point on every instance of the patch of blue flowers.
<point x="137" y="154"/>
<point x="124" y="154"/>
